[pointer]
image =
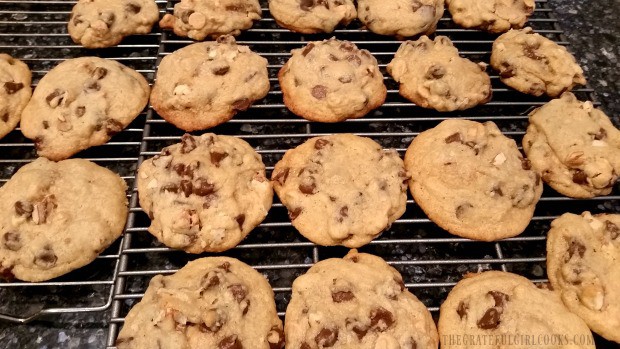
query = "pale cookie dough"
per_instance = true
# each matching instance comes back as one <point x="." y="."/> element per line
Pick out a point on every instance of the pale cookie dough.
<point x="472" y="181"/>
<point x="104" y="23"/>
<point x="312" y="16"/>
<point x="58" y="217"/>
<point x="204" y="194"/>
<point x="495" y="16"/>
<point x="214" y="303"/>
<point x="583" y="255"/>
<point x="205" y="84"/>
<point x="199" y="19"/>
<point x="433" y="75"/>
<point x="574" y="146"/>
<point x="341" y="189"/>
<point x="15" y="92"/>
<point x="331" y="81"/>
<point x="533" y="64"/>
<point x="80" y="103"/>
<point x="400" y="17"/>
<point x="356" y="302"/>
<point x="499" y="307"/>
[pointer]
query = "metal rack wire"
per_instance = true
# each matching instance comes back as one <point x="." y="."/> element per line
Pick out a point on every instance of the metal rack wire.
<point x="430" y="260"/>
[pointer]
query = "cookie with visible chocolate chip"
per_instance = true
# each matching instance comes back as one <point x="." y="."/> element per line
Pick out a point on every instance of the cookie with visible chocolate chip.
<point x="341" y="189"/>
<point x="507" y="307"/>
<point x="495" y="16"/>
<point x="331" y="81"/>
<point x="104" y="23"/>
<point x="215" y="302"/>
<point x="204" y="194"/>
<point x="199" y="19"/>
<point x="15" y="79"/>
<point x="582" y="263"/>
<point x="358" y="301"/>
<point x="400" y="18"/>
<point x="433" y="75"/>
<point x="472" y="181"/>
<point x="80" y="103"/>
<point x="312" y="16"/>
<point x="237" y="77"/>
<point x="57" y="217"/>
<point x="574" y="146"/>
<point x="533" y="64"/>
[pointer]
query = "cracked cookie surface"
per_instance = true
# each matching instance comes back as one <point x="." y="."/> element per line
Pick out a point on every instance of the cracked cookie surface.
<point x="400" y="17"/>
<point x="358" y="301"/>
<point x="583" y="252"/>
<point x="312" y="16"/>
<point x="574" y="146"/>
<point x="215" y="302"/>
<point x="199" y="19"/>
<point x="341" y="189"/>
<point x="80" y="103"/>
<point x="507" y="306"/>
<point x="433" y="75"/>
<point x="57" y="217"/>
<point x="331" y="81"/>
<point x="104" y="23"/>
<point x="495" y="16"/>
<point x="236" y="76"/>
<point x="15" y="92"/>
<point x="533" y="64"/>
<point x="204" y="194"/>
<point x="472" y="181"/>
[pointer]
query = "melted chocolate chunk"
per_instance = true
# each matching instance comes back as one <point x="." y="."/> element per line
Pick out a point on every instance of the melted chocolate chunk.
<point x="11" y="87"/>
<point x="326" y="337"/>
<point x="342" y="296"/>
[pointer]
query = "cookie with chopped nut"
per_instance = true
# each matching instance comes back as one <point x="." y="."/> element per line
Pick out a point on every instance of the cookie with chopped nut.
<point x="582" y="263"/>
<point x="533" y="64"/>
<point x="433" y="75"/>
<point x="104" y="23"/>
<point x="472" y="181"/>
<point x="215" y="302"/>
<point x="15" y="79"/>
<point x="199" y="19"/>
<point x="341" y="189"/>
<point x="81" y="103"/>
<point x="495" y="16"/>
<point x="205" y="84"/>
<point x="312" y="16"/>
<point x="400" y="18"/>
<point x="204" y="194"/>
<point x="505" y="310"/>
<point x="574" y="146"/>
<point x="358" y="301"/>
<point x="56" y="217"/>
<point x="331" y="81"/>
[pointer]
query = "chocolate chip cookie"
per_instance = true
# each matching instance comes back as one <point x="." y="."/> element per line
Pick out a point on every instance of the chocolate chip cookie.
<point x="312" y="16"/>
<point x="341" y="189"/>
<point x="205" y="193"/>
<point x="472" y="181"/>
<point x="198" y="19"/>
<point x="215" y="302"/>
<point x="81" y="103"/>
<point x="582" y="263"/>
<point x="331" y="81"/>
<point x="57" y="217"/>
<point x="495" y="16"/>
<point x="400" y="18"/>
<point x="236" y="77"/>
<point x="15" y="78"/>
<point x="433" y="75"/>
<point x="500" y="307"/>
<point x="356" y="302"/>
<point x="104" y="23"/>
<point x="533" y="64"/>
<point x="574" y="146"/>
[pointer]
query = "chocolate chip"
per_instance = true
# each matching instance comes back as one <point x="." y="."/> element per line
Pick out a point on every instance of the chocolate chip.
<point x="55" y="98"/>
<point x="354" y="59"/>
<point x="186" y="187"/>
<point x="12" y="240"/>
<point x="435" y="71"/>
<point x="230" y="342"/>
<point x="221" y="70"/>
<point x="347" y="46"/>
<point x="77" y="19"/>
<point x="576" y="247"/>
<point x="497" y="190"/>
<point x="245" y="306"/>
<point x="526" y="164"/>
<point x="46" y="258"/>
<point x="172" y="188"/>
<point x="240" y="219"/>
<point x="23" y="208"/>
<point x="345" y="79"/>
<point x="294" y="213"/>
<point x="531" y="53"/>
<point x="460" y="210"/>
<point x="133" y="8"/>
<point x="321" y="143"/>
<point x="225" y="266"/>
<point x="280" y="343"/>
<point x="99" y="73"/>
<point x="360" y="331"/>
<point x="242" y="104"/>
<point x="333" y="58"/>
<point x="506" y="73"/>
<point x="326" y="337"/>
<point x="342" y="296"/>
<point x="281" y="176"/>
<point x="344" y="212"/>
<point x="180" y="169"/>
<point x="238" y="291"/>
<point x="308" y="188"/>
<point x="455" y="137"/>
<point x="11" y="87"/>
<point x="580" y="177"/>
<point x="602" y="134"/>
<point x="211" y="279"/>
<point x="490" y="320"/>
<point x="188" y="143"/>
<point x="203" y="187"/>
<point x="217" y="157"/>
<point x="381" y="319"/>
<point x="319" y="91"/>
<point x="92" y="86"/>
<point x="499" y="298"/>
<point x="80" y="111"/>
<point x="5" y="117"/>
<point x="308" y="48"/>
<point x="613" y="229"/>
<point x="462" y="310"/>
<point x="113" y="127"/>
